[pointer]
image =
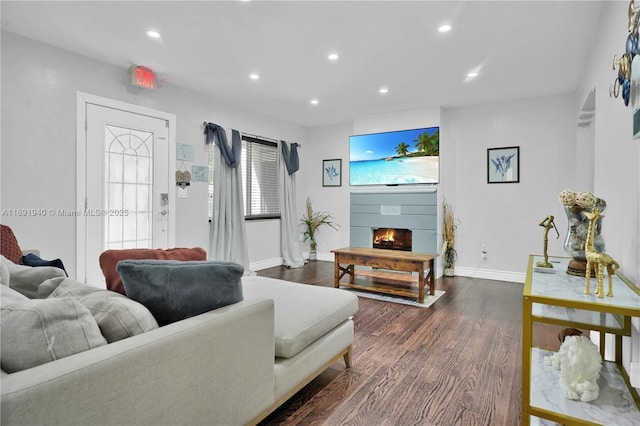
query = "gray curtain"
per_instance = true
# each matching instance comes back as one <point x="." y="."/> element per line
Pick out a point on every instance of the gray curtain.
<point x="228" y="236"/>
<point x="289" y="220"/>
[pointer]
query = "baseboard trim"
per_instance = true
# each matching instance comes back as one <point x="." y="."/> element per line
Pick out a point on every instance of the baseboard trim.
<point x="489" y="274"/>
<point x="268" y="263"/>
<point x="277" y="261"/>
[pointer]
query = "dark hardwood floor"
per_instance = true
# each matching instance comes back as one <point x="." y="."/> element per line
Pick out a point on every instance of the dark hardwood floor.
<point x="456" y="363"/>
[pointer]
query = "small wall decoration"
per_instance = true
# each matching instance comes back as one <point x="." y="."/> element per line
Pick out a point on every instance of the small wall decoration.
<point x="184" y="152"/>
<point x="200" y="173"/>
<point x="503" y="165"/>
<point x="636" y="122"/>
<point x="332" y="172"/>
<point x="183" y="177"/>
<point x="627" y="64"/>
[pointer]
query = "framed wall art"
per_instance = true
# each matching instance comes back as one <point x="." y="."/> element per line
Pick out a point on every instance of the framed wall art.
<point x="332" y="172"/>
<point x="503" y="165"/>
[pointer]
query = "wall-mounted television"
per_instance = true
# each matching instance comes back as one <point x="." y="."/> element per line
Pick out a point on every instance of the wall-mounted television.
<point x="403" y="157"/>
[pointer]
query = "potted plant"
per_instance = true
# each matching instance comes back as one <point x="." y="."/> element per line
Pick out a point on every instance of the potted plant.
<point x="312" y="221"/>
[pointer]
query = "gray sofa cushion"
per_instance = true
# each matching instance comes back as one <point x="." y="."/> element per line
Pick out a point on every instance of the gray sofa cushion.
<point x="173" y="290"/>
<point x="10" y="297"/>
<point x="27" y="279"/>
<point x="117" y="316"/>
<point x="4" y="274"/>
<point x="303" y="313"/>
<point x="41" y="330"/>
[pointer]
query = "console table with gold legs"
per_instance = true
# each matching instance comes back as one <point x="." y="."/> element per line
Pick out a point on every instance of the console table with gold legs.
<point x="558" y="299"/>
<point x="388" y="282"/>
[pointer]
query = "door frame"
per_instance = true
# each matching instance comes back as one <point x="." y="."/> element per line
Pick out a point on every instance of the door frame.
<point x="82" y="99"/>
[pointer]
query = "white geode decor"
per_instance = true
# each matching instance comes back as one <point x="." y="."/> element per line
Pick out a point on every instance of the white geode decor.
<point x="579" y="362"/>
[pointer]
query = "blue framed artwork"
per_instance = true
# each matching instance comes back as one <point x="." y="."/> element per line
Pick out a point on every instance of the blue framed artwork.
<point x="332" y="172"/>
<point x="503" y="165"/>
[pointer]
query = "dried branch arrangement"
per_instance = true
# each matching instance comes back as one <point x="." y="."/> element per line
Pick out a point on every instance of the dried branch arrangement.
<point x="450" y="225"/>
<point x="449" y="236"/>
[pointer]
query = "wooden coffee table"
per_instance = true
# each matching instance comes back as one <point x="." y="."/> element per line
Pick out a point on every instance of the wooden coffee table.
<point x="388" y="282"/>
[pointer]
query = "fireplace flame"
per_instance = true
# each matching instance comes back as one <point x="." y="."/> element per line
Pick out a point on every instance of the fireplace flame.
<point x="391" y="238"/>
<point x="386" y="237"/>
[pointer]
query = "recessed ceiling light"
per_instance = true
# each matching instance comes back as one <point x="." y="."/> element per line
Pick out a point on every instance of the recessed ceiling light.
<point x="313" y="102"/>
<point x="254" y="76"/>
<point x="473" y="73"/>
<point x="383" y="90"/>
<point x="333" y="56"/>
<point x="471" y="76"/>
<point x="153" y="34"/>
<point x="445" y="28"/>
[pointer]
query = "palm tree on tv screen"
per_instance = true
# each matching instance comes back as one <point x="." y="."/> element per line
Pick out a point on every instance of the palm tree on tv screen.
<point x="428" y="144"/>
<point x="402" y="149"/>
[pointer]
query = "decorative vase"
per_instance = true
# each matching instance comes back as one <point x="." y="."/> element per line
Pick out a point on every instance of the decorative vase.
<point x="313" y="255"/>
<point x="578" y="226"/>
<point x="449" y="261"/>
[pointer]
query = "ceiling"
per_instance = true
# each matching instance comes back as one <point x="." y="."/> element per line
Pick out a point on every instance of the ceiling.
<point x="521" y="49"/>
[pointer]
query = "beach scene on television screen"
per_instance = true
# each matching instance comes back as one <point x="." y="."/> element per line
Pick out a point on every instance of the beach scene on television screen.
<point x="395" y="158"/>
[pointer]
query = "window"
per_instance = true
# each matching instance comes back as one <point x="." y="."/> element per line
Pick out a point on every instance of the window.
<point x="128" y="186"/>
<point x="259" y="164"/>
<point x="260" y="178"/>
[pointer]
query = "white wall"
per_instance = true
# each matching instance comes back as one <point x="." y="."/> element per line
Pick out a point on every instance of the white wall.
<point x="39" y="86"/>
<point x="505" y="217"/>
<point x="616" y="153"/>
<point x="399" y="120"/>
<point x="325" y="143"/>
<point x="617" y="157"/>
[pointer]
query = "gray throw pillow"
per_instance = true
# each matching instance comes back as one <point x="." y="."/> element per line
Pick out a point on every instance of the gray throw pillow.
<point x="117" y="316"/>
<point x="173" y="290"/>
<point x="37" y="331"/>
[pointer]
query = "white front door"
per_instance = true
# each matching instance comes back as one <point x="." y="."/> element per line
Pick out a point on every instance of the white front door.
<point x="127" y="202"/>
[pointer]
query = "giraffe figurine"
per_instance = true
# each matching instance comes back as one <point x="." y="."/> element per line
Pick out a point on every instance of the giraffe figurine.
<point x="597" y="260"/>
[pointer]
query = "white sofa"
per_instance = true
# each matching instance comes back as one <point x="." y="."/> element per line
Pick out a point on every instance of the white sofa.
<point x="230" y="366"/>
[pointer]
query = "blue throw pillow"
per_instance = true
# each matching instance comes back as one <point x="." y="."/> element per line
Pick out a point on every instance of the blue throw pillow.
<point x="173" y="290"/>
<point x="35" y="260"/>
